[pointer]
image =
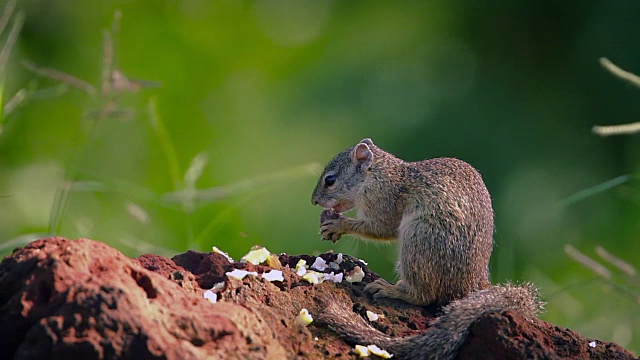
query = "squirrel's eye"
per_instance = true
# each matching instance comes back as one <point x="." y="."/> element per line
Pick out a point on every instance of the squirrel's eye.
<point x="329" y="180"/>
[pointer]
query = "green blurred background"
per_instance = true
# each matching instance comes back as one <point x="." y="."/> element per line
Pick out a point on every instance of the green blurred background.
<point x="257" y="96"/>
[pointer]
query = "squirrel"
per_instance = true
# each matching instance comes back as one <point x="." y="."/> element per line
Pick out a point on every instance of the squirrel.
<point x="440" y="212"/>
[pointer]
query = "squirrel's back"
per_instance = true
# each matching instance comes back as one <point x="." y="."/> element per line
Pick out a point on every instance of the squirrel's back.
<point x="446" y="230"/>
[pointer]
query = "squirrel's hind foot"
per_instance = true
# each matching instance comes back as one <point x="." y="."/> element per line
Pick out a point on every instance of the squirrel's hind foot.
<point x="383" y="289"/>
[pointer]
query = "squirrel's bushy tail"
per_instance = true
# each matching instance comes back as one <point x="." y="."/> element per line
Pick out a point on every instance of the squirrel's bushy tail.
<point x="447" y="333"/>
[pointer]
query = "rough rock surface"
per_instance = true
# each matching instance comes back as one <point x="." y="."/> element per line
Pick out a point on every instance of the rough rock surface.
<point x="64" y="299"/>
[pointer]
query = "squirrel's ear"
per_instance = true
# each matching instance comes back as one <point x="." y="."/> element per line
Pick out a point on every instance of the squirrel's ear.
<point x="367" y="141"/>
<point x="362" y="156"/>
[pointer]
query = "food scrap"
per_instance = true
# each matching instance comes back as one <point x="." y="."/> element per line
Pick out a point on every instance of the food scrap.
<point x="372" y="316"/>
<point x="336" y="264"/>
<point x="211" y="296"/>
<point x="379" y="352"/>
<point x="336" y="278"/>
<point x="329" y="214"/>
<point x="257" y="255"/>
<point x="301" y="267"/>
<point x="240" y="274"/>
<point x="218" y="286"/>
<point x="273" y="275"/>
<point x="313" y="277"/>
<point x="273" y="261"/>
<point x="356" y="275"/>
<point x="304" y="318"/>
<point x="364" y="351"/>
<point x="216" y="250"/>
<point x="320" y="264"/>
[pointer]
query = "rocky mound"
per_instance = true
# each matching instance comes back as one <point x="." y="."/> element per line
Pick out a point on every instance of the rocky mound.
<point x="64" y="299"/>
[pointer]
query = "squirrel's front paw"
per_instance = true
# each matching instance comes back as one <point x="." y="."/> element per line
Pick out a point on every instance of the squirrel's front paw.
<point x="331" y="226"/>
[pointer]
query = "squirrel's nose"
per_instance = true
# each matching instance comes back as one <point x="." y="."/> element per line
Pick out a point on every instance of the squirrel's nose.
<point x="314" y="202"/>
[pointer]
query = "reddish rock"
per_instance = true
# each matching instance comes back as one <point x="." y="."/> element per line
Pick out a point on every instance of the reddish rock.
<point x="63" y="299"/>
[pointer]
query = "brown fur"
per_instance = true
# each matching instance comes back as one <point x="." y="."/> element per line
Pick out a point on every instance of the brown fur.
<point x="438" y="209"/>
<point x="440" y="212"/>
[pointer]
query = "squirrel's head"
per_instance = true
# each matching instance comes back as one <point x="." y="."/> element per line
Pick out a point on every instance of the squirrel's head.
<point x="343" y="176"/>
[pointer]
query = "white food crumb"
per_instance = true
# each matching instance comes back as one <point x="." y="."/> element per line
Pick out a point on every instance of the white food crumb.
<point x="216" y="250"/>
<point x="240" y="274"/>
<point x="336" y="278"/>
<point x="372" y="316"/>
<point x="301" y="267"/>
<point x="319" y="264"/>
<point x="593" y="344"/>
<point x="218" y="286"/>
<point x="273" y="275"/>
<point x="362" y="351"/>
<point x="211" y="296"/>
<point x="377" y="351"/>
<point x="315" y="338"/>
<point x="257" y="257"/>
<point x="356" y="275"/>
<point x="304" y="318"/>
<point x="339" y="259"/>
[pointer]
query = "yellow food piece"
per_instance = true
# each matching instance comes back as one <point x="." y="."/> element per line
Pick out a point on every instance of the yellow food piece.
<point x="362" y="351"/>
<point x="257" y="257"/>
<point x="312" y="277"/>
<point x="304" y="318"/>
<point x="379" y="352"/>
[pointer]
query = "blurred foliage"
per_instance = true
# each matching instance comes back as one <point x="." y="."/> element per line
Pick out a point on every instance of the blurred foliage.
<point x="256" y="96"/>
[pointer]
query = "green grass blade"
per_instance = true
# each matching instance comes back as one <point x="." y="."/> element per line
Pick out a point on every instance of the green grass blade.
<point x="583" y="194"/>
<point x="167" y="145"/>
<point x="218" y="193"/>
